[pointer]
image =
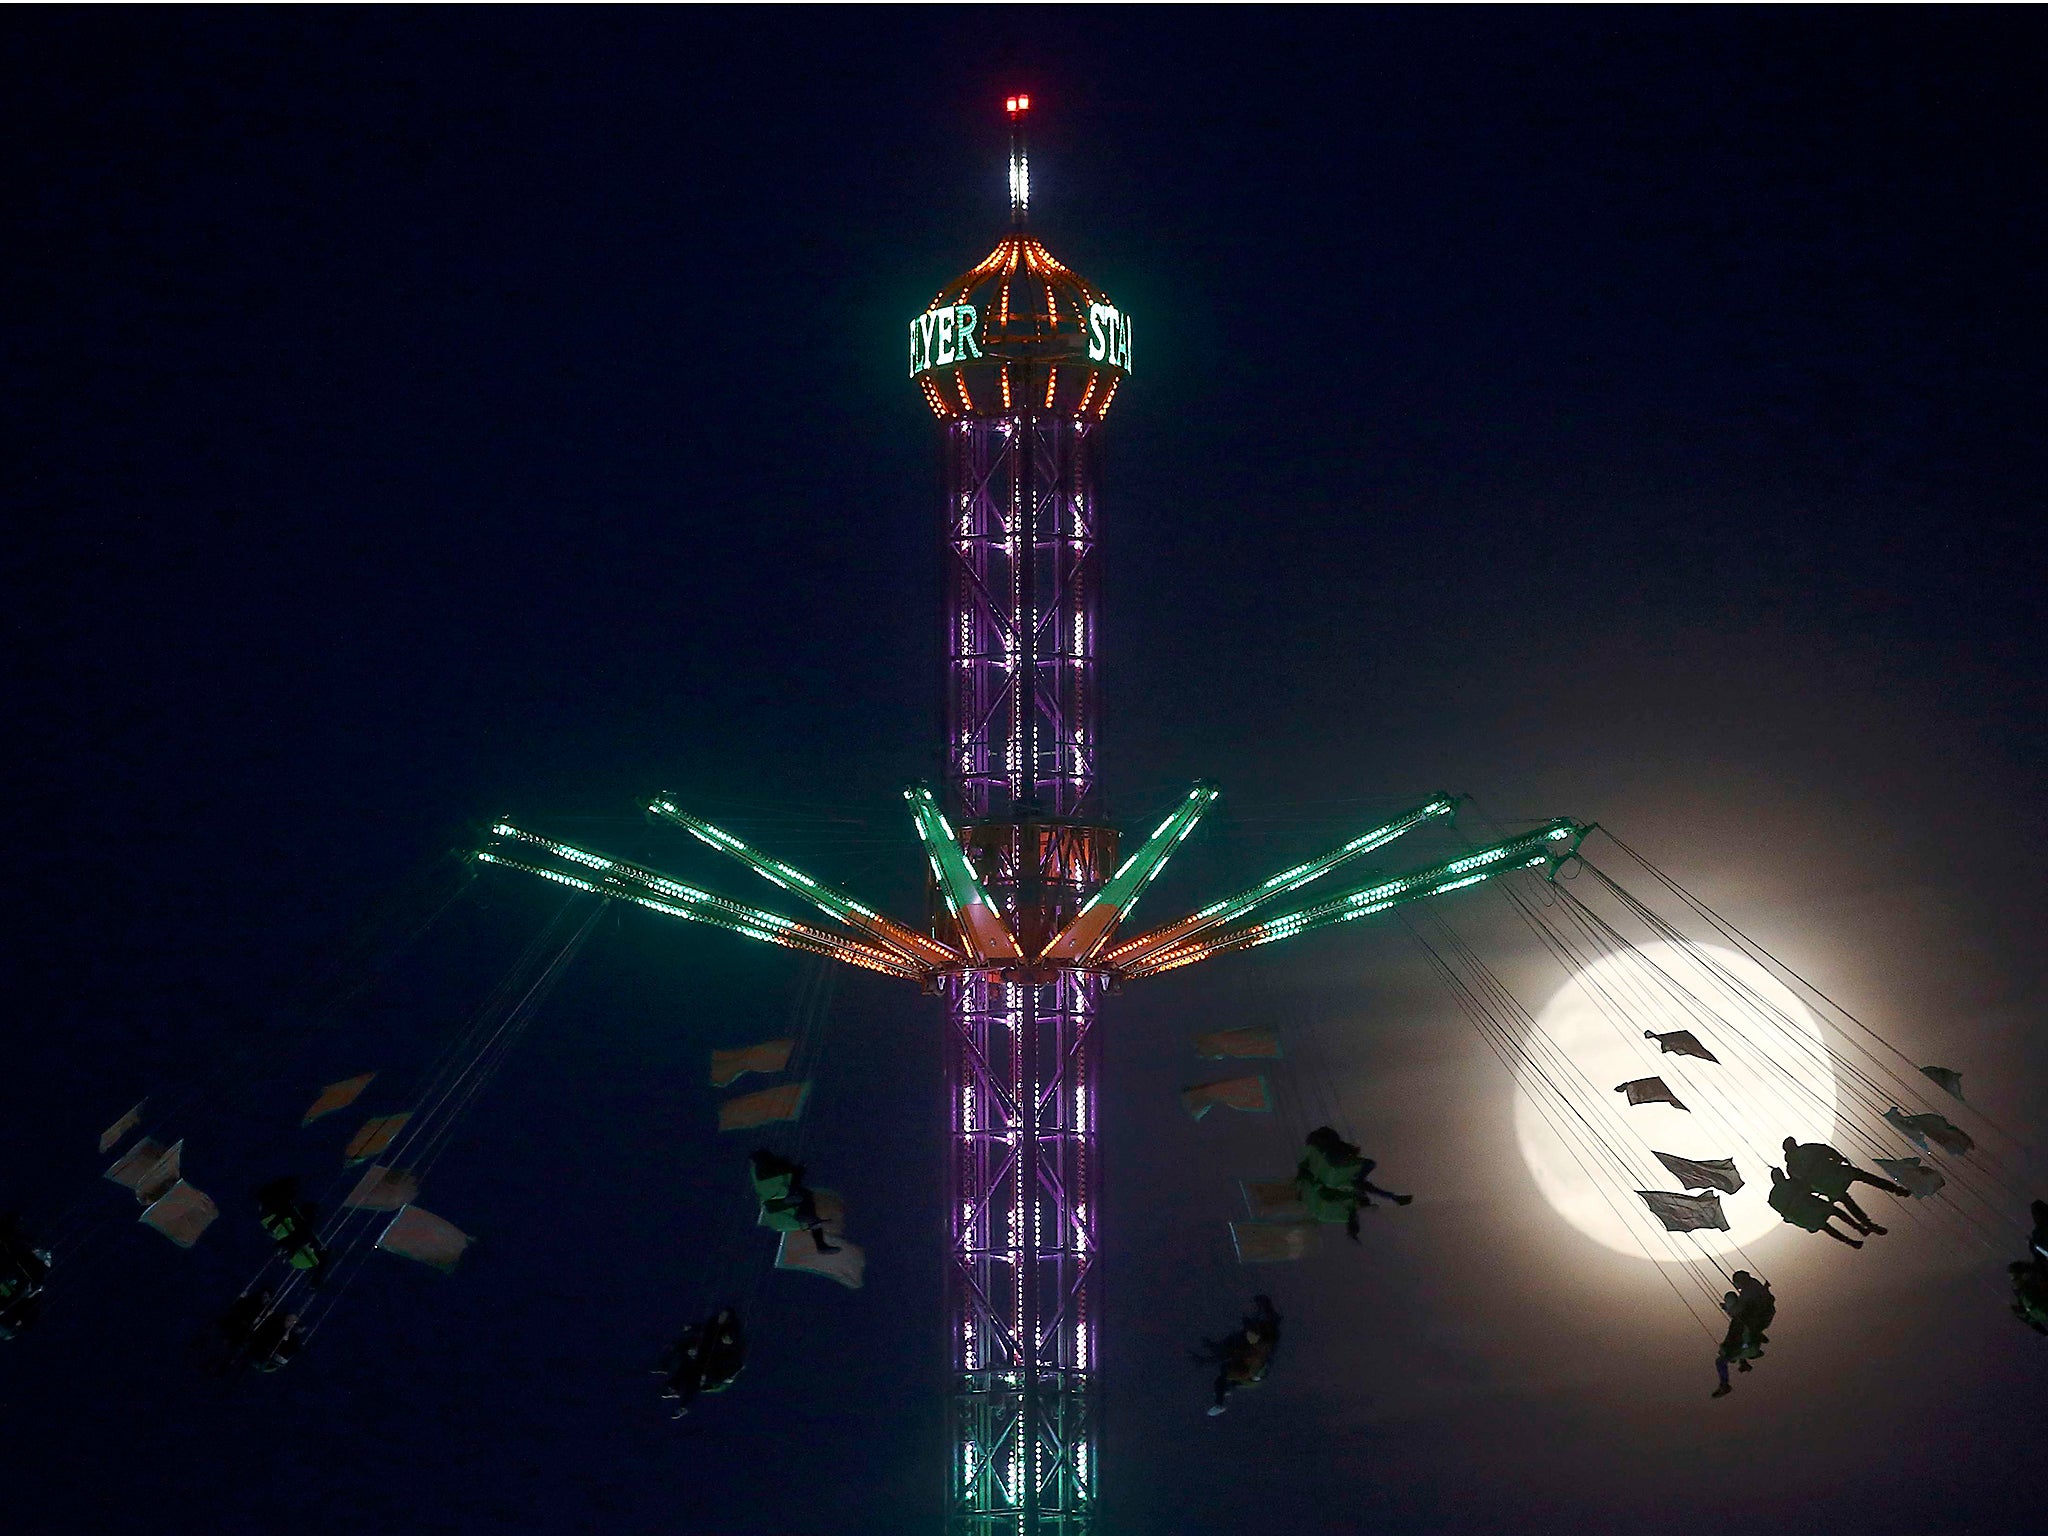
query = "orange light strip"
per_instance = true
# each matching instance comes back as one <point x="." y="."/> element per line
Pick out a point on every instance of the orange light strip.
<point x="1005" y="376"/>
<point x="1114" y="385"/>
<point x="960" y="382"/>
<point x="1052" y="379"/>
<point x="977" y="272"/>
<point x="1088" y="393"/>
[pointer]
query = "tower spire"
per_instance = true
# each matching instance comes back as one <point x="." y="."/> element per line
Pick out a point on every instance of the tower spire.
<point x="1019" y="108"/>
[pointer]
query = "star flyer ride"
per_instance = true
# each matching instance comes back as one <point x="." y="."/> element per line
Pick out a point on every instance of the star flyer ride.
<point x="1020" y="359"/>
<point x="1754" y="1090"/>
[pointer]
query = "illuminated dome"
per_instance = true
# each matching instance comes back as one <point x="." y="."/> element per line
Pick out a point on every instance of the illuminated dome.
<point x="1020" y="330"/>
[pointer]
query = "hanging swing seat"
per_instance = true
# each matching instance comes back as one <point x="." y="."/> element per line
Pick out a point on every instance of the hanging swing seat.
<point x="1649" y="1090"/>
<point x="1938" y="1129"/>
<point x="768" y="1107"/>
<point x="375" y="1135"/>
<point x="729" y="1065"/>
<point x="1685" y="1213"/>
<point x="1273" y="1200"/>
<point x="148" y="1170"/>
<point x="1947" y="1078"/>
<point x="336" y="1097"/>
<point x="182" y="1213"/>
<point x="1272" y="1242"/>
<point x="419" y="1234"/>
<point x="1257" y="1042"/>
<point x="1247" y="1095"/>
<point x="785" y="1213"/>
<point x="1681" y="1042"/>
<point x="1919" y="1180"/>
<point x="1703" y="1172"/>
<point x="111" y="1137"/>
<point x="383" y="1189"/>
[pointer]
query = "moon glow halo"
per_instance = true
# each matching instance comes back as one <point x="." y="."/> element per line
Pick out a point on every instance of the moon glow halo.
<point x="1774" y="1079"/>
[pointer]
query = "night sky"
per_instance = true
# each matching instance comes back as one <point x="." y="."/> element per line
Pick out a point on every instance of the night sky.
<point x="418" y="417"/>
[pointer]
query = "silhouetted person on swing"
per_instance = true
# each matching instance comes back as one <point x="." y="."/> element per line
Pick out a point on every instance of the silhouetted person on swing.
<point x="2030" y="1294"/>
<point x="257" y="1333"/>
<point x="1803" y="1208"/>
<point x="2030" y="1275"/>
<point x="23" y="1269"/>
<point x="707" y="1358"/>
<point x="1334" y="1180"/>
<point x="1242" y="1359"/>
<point x="289" y="1223"/>
<point x="1750" y="1308"/>
<point x="787" y="1203"/>
<point x="1829" y="1174"/>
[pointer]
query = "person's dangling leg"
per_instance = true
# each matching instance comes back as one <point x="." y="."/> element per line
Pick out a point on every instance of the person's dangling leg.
<point x="1367" y="1187"/>
<point x="807" y="1213"/>
<point x="1840" y="1237"/>
<point x="1857" y="1217"/>
<point x="683" y="1387"/>
<point x="1731" y="1346"/>
<point x="1858" y="1176"/>
<point x="1222" y="1392"/>
<point x="1836" y="1212"/>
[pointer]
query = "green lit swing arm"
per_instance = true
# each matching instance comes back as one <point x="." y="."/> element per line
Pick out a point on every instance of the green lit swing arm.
<point x="1078" y="943"/>
<point x="582" y="870"/>
<point x="1546" y="848"/>
<point x="982" y="928"/>
<point x="921" y="949"/>
<point x="889" y="948"/>
<point x="1135" y="952"/>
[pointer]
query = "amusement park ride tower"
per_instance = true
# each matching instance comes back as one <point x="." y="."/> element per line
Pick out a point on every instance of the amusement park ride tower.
<point x="1020" y="359"/>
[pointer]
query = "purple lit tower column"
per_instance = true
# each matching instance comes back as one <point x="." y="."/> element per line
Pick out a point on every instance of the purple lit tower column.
<point x="1019" y="359"/>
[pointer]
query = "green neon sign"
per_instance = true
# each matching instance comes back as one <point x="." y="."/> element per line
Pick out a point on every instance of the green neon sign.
<point x="1109" y="336"/>
<point x="941" y="337"/>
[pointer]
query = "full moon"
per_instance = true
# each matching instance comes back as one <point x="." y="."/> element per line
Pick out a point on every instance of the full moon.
<point x="1774" y="1080"/>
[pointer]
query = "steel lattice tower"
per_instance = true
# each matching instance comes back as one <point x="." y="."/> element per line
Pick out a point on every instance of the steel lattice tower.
<point x="1019" y="360"/>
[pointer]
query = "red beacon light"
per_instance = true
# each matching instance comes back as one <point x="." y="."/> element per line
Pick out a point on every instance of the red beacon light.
<point x="1017" y="106"/>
